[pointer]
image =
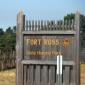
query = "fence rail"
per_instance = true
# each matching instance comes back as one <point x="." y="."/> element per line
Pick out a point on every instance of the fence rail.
<point x="49" y="25"/>
<point x="7" y="61"/>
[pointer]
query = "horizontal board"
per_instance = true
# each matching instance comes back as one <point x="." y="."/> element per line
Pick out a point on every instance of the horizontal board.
<point x="66" y="32"/>
<point x="46" y="62"/>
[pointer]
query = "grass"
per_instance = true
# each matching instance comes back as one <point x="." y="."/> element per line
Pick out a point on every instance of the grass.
<point x="8" y="77"/>
<point x="82" y="74"/>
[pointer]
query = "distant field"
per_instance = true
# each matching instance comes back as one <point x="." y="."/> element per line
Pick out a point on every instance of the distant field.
<point x="8" y="77"/>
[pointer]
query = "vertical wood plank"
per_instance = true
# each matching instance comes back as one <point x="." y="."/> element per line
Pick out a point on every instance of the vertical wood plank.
<point x="28" y="75"/>
<point x="56" y="77"/>
<point x="19" y="47"/>
<point x="66" y="76"/>
<point x="37" y="75"/>
<point x="29" y="25"/>
<point x="72" y="76"/>
<point x="44" y="76"/>
<point x="26" y="26"/>
<point x="31" y="75"/>
<point x="52" y="75"/>
<point x="25" y="75"/>
<point x="77" y="28"/>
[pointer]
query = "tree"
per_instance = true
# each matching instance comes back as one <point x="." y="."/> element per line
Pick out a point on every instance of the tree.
<point x="14" y="29"/>
<point x="69" y="16"/>
<point x="82" y="26"/>
<point x="1" y="31"/>
<point x="1" y="39"/>
<point x="82" y="22"/>
<point x="7" y="40"/>
<point x="9" y="30"/>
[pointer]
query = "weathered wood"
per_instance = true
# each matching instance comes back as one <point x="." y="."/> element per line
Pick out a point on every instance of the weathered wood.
<point x="41" y="69"/>
<point x="52" y="76"/>
<point x="26" y="25"/>
<point x="28" y="75"/>
<point x="31" y="75"/>
<point x="46" y="62"/>
<point x="56" y="76"/>
<point x="44" y="76"/>
<point x="19" y="45"/>
<point x="51" y="25"/>
<point x="29" y="26"/>
<point x="25" y="74"/>
<point x="66" y="77"/>
<point x="77" y="28"/>
<point x="37" y="75"/>
<point x="50" y="32"/>
<point x="72" y="76"/>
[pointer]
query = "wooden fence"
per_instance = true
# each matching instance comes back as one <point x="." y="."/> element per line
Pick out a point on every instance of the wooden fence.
<point x="39" y="46"/>
<point x="7" y="61"/>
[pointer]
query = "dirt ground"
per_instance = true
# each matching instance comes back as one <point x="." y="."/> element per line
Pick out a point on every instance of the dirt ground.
<point x="9" y="77"/>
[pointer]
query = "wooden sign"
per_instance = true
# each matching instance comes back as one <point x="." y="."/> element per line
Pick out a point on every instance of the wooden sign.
<point x="44" y="45"/>
<point x="37" y="45"/>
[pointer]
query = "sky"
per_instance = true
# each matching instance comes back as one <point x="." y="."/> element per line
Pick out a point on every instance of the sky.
<point x="38" y="10"/>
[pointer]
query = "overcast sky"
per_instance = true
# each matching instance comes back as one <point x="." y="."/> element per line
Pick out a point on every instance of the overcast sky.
<point x="38" y="9"/>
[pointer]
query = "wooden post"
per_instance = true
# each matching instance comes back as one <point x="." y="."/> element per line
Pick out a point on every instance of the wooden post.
<point x="77" y="28"/>
<point x="19" y="47"/>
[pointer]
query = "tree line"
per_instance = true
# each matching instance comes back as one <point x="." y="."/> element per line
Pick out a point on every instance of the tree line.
<point x="7" y="40"/>
<point x="82" y="27"/>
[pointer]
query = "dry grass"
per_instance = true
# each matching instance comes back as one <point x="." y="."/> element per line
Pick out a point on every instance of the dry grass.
<point x="82" y="74"/>
<point x="7" y="77"/>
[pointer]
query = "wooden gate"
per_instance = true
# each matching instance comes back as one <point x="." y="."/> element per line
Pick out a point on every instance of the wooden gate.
<point x="39" y="43"/>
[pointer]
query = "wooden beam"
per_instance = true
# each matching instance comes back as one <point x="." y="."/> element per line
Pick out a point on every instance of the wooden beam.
<point x="68" y="32"/>
<point x="46" y="62"/>
<point x="19" y="47"/>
